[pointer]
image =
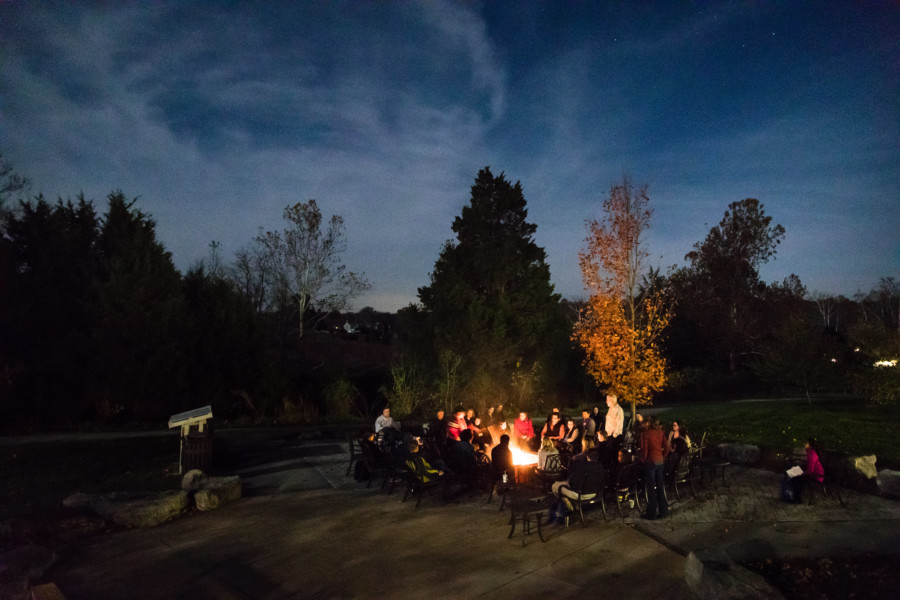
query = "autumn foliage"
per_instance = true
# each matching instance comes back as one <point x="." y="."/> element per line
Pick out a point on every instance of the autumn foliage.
<point x="621" y="325"/>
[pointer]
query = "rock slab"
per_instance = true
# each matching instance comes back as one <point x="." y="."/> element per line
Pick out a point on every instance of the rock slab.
<point x="711" y="574"/>
<point x="889" y="482"/>
<point x="133" y="509"/>
<point x="740" y="454"/>
<point x="211" y="492"/>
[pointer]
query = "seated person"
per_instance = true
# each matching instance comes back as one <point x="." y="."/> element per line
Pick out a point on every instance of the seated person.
<point x="481" y="436"/>
<point x="387" y="430"/>
<point x="589" y="451"/>
<point x="632" y="437"/>
<point x="462" y="454"/>
<point x="572" y="439"/>
<point x="437" y="427"/>
<point x="501" y="458"/>
<point x="554" y="428"/>
<point x="384" y="420"/>
<point x="423" y="471"/>
<point x="548" y="448"/>
<point x="580" y="463"/>
<point x="588" y="425"/>
<point x="814" y="471"/>
<point x="605" y="452"/>
<point x="457" y="424"/>
<point x="523" y="430"/>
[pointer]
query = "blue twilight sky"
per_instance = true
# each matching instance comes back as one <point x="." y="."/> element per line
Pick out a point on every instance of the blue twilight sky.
<point x="219" y="114"/>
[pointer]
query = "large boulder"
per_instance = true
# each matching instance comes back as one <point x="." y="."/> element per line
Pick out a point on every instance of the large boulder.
<point x="740" y="454"/>
<point x="863" y="466"/>
<point x="710" y="573"/>
<point x="889" y="482"/>
<point x="211" y="492"/>
<point x="217" y="491"/>
<point x="133" y="509"/>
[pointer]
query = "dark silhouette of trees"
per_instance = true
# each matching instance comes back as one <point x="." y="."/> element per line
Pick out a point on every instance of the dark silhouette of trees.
<point x="721" y="292"/>
<point x="48" y="264"/>
<point x="98" y="325"/>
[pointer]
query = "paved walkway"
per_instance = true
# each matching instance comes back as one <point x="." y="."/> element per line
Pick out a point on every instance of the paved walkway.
<point x="307" y="530"/>
<point x="750" y="522"/>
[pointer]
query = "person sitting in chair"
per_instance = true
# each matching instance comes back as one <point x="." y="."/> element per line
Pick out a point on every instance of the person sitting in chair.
<point x="481" y="436"/>
<point x="814" y="471"/>
<point x="578" y="466"/>
<point x="548" y="448"/>
<point x="462" y="454"/>
<point x="524" y="431"/>
<point x="416" y="463"/>
<point x="457" y="424"/>
<point x="384" y="420"/>
<point x="501" y="457"/>
<point x="572" y="439"/>
<point x="554" y="428"/>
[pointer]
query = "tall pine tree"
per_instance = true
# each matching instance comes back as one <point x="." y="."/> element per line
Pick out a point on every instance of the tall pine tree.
<point x="490" y="300"/>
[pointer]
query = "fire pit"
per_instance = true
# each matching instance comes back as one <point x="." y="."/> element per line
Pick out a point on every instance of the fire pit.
<point x="523" y="461"/>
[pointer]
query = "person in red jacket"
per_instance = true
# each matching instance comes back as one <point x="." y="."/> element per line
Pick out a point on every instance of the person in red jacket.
<point x="523" y="431"/>
<point x="654" y="449"/>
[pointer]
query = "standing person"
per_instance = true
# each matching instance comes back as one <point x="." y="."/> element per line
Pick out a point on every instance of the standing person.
<point x="654" y="449"/>
<point x="523" y="429"/>
<point x="615" y="420"/>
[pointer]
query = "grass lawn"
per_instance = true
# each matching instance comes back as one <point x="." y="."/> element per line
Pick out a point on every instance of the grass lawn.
<point x="849" y="427"/>
<point x="38" y="476"/>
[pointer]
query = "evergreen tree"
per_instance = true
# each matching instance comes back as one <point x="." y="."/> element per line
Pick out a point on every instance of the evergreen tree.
<point x="490" y="300"/>
<point x="48" y="258"/>
<point x="138" y="312"/>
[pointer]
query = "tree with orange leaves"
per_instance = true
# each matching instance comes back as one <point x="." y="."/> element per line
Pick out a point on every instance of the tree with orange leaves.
<point x="621" y="326"/>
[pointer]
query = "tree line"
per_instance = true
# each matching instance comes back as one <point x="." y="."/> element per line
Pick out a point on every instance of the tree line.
<point x="99" y="326"/>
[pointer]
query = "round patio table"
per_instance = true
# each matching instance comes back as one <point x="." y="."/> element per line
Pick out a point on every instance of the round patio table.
<point x="525" y="504"/>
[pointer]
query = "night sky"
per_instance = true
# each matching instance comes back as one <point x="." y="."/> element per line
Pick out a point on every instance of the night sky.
<point x="218" y="115"/>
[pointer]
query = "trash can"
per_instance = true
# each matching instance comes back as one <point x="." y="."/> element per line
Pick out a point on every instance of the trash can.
<point x="197" y="450"/>
<point x="196" y="438"/>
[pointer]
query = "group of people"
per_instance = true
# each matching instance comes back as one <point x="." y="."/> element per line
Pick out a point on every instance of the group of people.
<point x="593" y="441"/>
<point x="567" y="433"/>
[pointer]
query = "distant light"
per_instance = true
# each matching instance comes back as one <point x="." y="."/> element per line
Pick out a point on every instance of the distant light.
<point x="856" y="349"/>
<point x="834" y="360"/>
<point x="886" y="363"/>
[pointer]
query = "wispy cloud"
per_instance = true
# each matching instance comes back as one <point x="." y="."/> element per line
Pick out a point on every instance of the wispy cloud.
<point x="219" y="116"/>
